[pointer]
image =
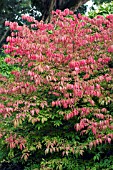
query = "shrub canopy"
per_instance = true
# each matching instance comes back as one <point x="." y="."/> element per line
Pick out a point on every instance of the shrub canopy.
<point x="58" y="102"/>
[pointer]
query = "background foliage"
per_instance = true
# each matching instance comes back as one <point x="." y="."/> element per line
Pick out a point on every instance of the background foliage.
<point x="103" y="9"/>
<point x="99" y="2"/>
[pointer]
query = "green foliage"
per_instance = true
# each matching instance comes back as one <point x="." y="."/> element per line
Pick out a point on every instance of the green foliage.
<point x="104" y="9"/>
<point x="6" y="69"/>
<point x="99" y="2"/>
<point x="89" y="161"/>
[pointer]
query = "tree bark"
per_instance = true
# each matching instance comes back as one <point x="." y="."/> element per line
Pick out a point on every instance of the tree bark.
<point x="46" y="6"/>
<point x="72" y="4"/>
<point x="46" y="16"/>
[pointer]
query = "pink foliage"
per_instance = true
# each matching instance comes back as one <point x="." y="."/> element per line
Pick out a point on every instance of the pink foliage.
<point x="65" y="57"/>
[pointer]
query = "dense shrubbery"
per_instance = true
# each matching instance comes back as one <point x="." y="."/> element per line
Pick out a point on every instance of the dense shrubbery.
<point x="58" y="105"/>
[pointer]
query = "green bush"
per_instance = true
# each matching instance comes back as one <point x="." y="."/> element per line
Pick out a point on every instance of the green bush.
<point x="56" y="108"/>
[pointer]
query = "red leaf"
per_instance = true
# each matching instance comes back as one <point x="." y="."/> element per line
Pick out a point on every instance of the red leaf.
<point x="94" y="130"/>
<point x="109" y="140"/>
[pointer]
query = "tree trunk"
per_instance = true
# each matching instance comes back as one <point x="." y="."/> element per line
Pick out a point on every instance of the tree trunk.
<point x="46" y="16"/>
<point x="71" y="4"/>
<point x="46" y="6"/>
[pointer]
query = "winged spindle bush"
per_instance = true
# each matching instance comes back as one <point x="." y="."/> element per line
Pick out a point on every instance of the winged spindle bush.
<point x="57" y="103"/>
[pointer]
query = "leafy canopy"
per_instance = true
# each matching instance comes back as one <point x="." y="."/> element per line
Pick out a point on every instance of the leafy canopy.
<point x="58" y="102"/>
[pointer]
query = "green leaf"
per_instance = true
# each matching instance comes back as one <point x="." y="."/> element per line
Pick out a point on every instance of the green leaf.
<point x="50" y="31"/>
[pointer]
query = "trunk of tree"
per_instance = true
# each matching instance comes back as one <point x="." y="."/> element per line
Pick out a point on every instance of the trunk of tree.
<point x="72" y="4"/>
<point x="47" y="13"/>
<point x="46" y="6"/>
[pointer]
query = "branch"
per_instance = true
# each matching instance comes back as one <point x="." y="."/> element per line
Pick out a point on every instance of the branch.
<point x="4" y="36"/>
<point x="72" y="4"/>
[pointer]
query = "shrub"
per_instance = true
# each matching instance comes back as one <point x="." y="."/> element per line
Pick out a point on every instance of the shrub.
<point x="58" y="102"/>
